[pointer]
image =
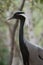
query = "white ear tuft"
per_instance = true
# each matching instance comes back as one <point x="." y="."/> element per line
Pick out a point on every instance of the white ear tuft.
<point x="23" y="15"/>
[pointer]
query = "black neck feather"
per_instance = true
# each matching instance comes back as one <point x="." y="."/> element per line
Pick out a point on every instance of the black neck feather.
<point x="21" y="37"/>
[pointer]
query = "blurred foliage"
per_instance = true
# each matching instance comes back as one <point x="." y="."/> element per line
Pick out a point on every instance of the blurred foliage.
<point x="12" y="5"/>
<point x="3" y="54"/>
<point x="38" y="18"/>
<point x="41" y="1"/>
<point x="5" y="6"/>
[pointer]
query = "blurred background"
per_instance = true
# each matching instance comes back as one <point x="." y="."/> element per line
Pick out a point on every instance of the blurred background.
<point x="33" y="28"/>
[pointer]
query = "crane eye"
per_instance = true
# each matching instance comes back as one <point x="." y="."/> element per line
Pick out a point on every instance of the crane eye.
<point x="40" y="57"/>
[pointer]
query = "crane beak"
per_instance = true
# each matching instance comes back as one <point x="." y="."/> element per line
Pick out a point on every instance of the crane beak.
<point x="10" y="18"/>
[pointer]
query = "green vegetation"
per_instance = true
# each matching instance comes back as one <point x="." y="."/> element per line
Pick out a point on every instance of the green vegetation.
<point x="3" y="54"/>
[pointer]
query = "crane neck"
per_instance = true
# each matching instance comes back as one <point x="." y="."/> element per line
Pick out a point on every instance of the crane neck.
<point x="21" y="37"/>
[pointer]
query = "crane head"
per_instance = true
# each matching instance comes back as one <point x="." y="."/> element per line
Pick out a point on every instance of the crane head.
<point x="17" y="15"/>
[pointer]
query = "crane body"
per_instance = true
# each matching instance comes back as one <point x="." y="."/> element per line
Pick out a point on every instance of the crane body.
<point x="31" y="54"/>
